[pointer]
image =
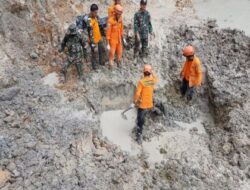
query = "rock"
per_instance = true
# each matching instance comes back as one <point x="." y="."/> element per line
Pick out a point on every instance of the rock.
<point x="234" y="159"/>
<point x="163" y="151"/>
<point x="53" y="64"/>
<point x="9" y="94"/>
<point x="33" y="55"/>
<point x="4" y="177"/>
<point x="11" y="166"/>
<point x="248" y="173"/>
<point x="243" y="161"/>
<point x="212" y="24"/>
<point x="100" y="152"/>
<point x="227" y="148"/>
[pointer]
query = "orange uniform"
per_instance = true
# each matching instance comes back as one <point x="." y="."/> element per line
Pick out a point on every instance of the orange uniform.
<point x="145" y="91"/>
<point x="96" y="30"/>
<point x="114" y="36"/>
<point x="192" y="72"/>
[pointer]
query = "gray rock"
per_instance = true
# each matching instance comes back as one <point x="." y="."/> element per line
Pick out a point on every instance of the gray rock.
<point x="9" y="94"/>
<point x="33" y="55"/>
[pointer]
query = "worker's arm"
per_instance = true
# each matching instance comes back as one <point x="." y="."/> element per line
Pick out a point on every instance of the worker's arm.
<point x="108" y="32"/>
<point x="182" y="70"/>
<point x="150" y="27"/>
<point x="198" y="73"/>
<point x="110" y="11"/>
<point x="155" y="78"/>
<point x="84" y="49"/>
<point x="136" y="24"/>
<point x="63" y="44"/>
<point x="90" y="33"/>
<point x="138" y="93"/>
<point x="122" y="29"/>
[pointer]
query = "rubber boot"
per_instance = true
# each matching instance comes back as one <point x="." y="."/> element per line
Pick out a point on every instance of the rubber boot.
<point x="64" y="72"/>
<point x="138" y="139"/>
<point x="79" y="70"/>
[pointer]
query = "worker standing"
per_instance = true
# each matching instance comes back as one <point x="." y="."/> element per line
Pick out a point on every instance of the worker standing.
<point x="111" y="9"/>
<point x="114" y="36"/>
<point x="95" y="33"/>
<point x="142" y="29"/>
<point x="191" y="73"/>
<point x="144" y="99"/>
<point x="75" y="50"/>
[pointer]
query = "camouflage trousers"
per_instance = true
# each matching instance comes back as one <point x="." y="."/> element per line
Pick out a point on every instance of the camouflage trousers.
<point x="73" y="60"/>
<point x="98" y="55"/>
<point x="143" y="52"/>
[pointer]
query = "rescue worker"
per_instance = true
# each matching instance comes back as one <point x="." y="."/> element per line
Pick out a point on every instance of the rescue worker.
<point x="95" y="33"/>
<point x="191" y="73"/>
<point x="115" y="36"/>
<point x="142" y="29"/>
<point x="111" y="9"/>
<point x="76" y="50"/>
<point x="143" y="99"/>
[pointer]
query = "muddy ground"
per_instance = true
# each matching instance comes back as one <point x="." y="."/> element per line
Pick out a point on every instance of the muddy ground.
<point x="72" y="136"/>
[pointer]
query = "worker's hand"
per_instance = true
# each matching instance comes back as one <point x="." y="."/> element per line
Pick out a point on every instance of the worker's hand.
<point x="137" y="36"/>
<point x="124" y="42"/>
<point x="108" y="47"/>
<point x="80" y="30"/>
<point x="152" y="36"/>
<point x="181" y="75"/>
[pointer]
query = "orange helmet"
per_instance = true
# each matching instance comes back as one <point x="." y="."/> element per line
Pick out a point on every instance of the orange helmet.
<point x="147" y="68"/>
<point x="118" y="9"/>
<point x="188" y="51"/>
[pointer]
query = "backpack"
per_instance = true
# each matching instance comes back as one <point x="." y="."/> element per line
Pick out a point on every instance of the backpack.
<point x="82" y="22"/>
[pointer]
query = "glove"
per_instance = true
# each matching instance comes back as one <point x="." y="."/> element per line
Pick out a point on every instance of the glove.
<point x="108" y="47"/>
<point x="125" y="42"/>
<point x="132" y="105"/>
<point x="92" y="45"/>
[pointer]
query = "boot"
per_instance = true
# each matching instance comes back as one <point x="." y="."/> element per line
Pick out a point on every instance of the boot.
<point x="138" y="139"/>
<point x="64" y="72"/>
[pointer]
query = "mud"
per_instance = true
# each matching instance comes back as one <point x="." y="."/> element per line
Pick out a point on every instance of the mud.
<point x="71" y="136"/>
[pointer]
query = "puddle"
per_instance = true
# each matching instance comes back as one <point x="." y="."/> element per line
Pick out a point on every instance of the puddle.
<point x="118" y="130"/>
<point x="228" y="13"/>
<point x="51" y="79"/>
<point x="173" y="144"/>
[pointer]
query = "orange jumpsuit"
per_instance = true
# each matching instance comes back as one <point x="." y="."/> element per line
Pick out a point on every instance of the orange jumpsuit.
<point x="145" y="91"/>
<point x="192" y="72"/>
<point x="97" y="37"/>
<point x="114" y="36"/>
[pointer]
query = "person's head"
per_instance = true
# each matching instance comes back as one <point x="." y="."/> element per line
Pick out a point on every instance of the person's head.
<point x="118" y="11"/>
<point x="188" y="52"/>
<point x="94" y="10"/>
<point x="143" y="5"/>
<point x="72" y="29"/>
<point x="147" y="70"/>
<point x="117" y="2"/>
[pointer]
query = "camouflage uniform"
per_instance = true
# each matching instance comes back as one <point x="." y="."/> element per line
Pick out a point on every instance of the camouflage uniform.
<point x="97" y="57"/>
<point x="143" y="26"/>
<point x="76" y="49"/>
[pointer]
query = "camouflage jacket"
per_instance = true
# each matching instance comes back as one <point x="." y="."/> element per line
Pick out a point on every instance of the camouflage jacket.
<point x="74" y="44"/>
<point x="142" y="23"/>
